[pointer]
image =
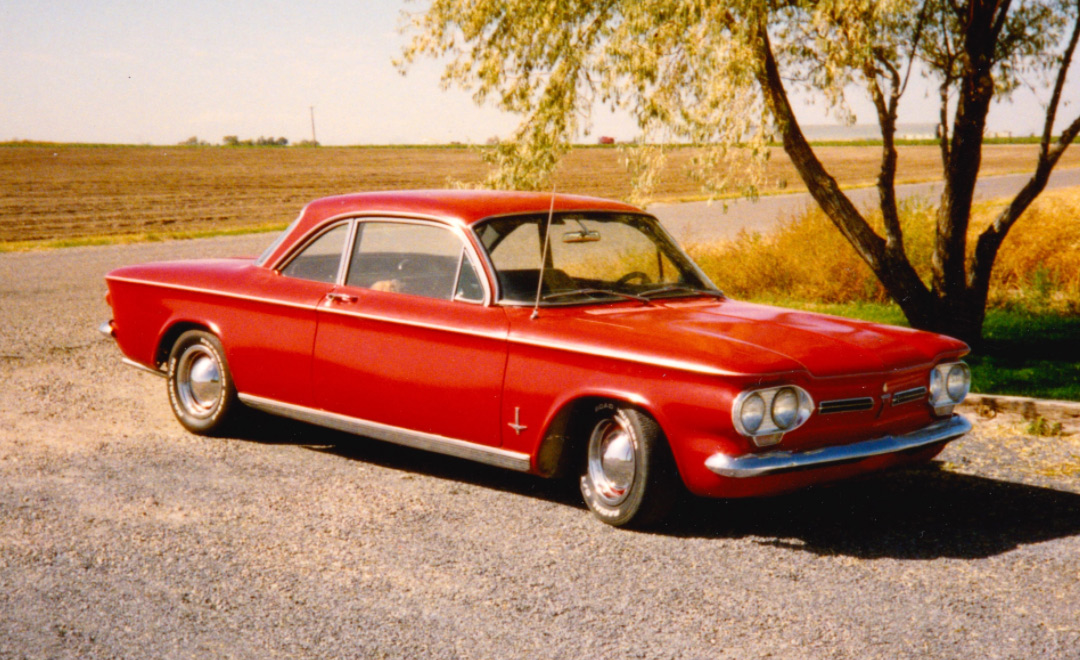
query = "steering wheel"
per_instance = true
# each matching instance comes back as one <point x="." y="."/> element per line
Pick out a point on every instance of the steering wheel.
<point x="632" y="275"/>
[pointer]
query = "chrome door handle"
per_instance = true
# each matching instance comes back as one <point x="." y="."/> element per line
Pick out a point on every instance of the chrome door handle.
<point x="340" y="298"/>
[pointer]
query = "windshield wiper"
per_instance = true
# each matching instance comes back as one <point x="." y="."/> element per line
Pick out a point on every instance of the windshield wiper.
<point x="680" y="288"/>
<point x="590" y="291"/>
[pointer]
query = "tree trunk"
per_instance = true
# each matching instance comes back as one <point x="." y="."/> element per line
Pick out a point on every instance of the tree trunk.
<point x="956" y="303"/>
<point x="887" y="261"/>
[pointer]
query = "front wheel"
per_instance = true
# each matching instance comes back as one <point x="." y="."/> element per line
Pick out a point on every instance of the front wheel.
<point x="201" y="390"/>
<point x="629" y="476"/>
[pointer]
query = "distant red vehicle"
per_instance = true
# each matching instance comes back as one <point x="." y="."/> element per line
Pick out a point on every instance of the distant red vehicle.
<point x="547" y="334"/>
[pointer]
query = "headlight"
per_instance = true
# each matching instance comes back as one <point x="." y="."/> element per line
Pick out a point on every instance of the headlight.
<point x="957" y="382"/>
<point x="785" y="408"/>
<point x="937" y="384"/>
<point x="766" y="414"/>
<point x="752" y="413"/>
<point x="949" y="384"/>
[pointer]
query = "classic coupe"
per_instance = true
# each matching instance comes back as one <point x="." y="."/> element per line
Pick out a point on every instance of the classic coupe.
<point x="551" y="334"/>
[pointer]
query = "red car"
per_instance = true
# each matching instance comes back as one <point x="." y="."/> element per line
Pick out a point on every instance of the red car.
<point x="547" y="334"/>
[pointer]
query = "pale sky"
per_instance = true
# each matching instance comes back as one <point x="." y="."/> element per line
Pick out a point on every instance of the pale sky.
<point x="146" y="71"/>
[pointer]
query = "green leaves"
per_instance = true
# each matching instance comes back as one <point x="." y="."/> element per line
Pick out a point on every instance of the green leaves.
<point x="689" y="70"/>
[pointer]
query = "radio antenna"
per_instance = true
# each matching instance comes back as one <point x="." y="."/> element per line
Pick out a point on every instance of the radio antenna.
<point x="544" y="256"/>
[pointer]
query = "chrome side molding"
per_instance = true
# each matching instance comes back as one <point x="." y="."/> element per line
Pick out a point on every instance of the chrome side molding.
<point x="774" y="462"/>
<point x="397" y="435"/>
<point x="143" y="367"/>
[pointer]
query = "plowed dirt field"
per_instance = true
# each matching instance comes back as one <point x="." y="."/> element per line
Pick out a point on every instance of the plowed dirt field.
<point x="49" y="193"/>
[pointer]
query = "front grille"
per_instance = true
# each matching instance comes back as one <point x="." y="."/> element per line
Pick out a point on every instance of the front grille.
<point x="846" y="405"/>
<point x="907" y="396"/>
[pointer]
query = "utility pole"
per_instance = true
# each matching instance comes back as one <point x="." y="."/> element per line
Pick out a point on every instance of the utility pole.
<point x="313" y="140"/>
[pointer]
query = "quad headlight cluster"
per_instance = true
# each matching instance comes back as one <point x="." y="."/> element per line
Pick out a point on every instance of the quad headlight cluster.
<point x="949" y="384"/>
<point x="767" y="414"/>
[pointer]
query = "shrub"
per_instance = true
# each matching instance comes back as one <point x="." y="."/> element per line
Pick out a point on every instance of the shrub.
<point x="806" y="258"/>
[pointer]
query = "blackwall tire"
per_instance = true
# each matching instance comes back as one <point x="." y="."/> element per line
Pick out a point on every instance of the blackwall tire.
<point x="201" y="390"/>
<point x="628" y="477"/>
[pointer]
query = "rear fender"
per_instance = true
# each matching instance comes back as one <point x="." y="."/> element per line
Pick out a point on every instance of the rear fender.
<point x="172" y="332"/>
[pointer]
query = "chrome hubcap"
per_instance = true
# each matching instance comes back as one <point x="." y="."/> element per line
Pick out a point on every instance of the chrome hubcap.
<point x="612" y="460"/>
<point x="198" y="380"/>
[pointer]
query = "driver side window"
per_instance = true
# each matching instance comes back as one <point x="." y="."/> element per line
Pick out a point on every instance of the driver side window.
<point x="416" y="259"/>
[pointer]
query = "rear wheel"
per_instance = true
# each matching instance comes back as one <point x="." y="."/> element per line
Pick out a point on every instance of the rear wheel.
<point x="628" y="477"/>
<point x="201" y="389"/>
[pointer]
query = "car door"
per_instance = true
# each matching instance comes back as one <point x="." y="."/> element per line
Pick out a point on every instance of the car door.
<point x="269" y="334"/>
<point x="410" y="340"/>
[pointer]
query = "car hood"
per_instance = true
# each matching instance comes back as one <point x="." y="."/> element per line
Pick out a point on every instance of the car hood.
<point x="738" y="338"/>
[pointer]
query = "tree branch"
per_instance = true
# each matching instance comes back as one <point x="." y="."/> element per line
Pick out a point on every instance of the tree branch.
<point x="989" y="242"/>
<point x="919" y="25"/>
<point x="1059" y="85"/>
<point x="943" y="126"/>
<point x="890" y="266"/>
<point x="886" y="111"/>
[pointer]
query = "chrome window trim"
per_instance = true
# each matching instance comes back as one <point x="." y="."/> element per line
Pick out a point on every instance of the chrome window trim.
<point x="311" y="238"/>
<point x="362" y="215"/>
<point x="395" y="434"/>
<point x="490" y="265"/>
<point x="276" y="245"/>
<point x="462" y="258"/>
<point x="455" y="228"/>
<point x="457" y="274"/>
<point x="487" y="266"/>
<point x="346" y="258"/>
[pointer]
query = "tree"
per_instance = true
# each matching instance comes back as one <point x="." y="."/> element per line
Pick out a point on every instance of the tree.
<point x="721" y="73"/>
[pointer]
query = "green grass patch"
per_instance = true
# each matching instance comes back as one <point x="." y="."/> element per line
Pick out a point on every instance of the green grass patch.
<point x="1023" y="353"/>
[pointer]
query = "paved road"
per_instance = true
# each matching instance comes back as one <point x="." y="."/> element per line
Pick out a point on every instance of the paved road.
<point x="704" y="221"/>
<point x="122" y="536"/>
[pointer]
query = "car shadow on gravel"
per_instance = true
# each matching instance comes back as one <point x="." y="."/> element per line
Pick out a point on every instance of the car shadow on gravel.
<point x="276" y="430"/>
<point x="923" y="512"/>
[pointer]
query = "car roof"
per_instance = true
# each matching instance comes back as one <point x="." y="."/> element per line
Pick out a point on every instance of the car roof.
<point x="463" y="206"/>
<point x="460" y="207"/>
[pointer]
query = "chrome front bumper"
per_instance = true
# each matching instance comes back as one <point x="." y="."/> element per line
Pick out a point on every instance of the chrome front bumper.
<point x="757" y="465"/>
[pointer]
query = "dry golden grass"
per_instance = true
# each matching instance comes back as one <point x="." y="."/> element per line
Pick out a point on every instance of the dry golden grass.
<point x="50" y="193"/>
<point x="1038" y="266"/>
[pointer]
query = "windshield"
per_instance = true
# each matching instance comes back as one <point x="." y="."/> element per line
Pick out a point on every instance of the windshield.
<point x="589" y="256"/>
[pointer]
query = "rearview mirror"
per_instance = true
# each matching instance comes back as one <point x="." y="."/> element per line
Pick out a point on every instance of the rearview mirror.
<point x="583" y="236"/>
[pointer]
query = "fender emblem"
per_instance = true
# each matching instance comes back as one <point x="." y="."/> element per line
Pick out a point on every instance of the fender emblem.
<point x="516" y="424"/>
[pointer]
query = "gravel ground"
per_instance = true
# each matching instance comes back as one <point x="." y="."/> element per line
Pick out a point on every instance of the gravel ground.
<point x="122" y="536"/>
